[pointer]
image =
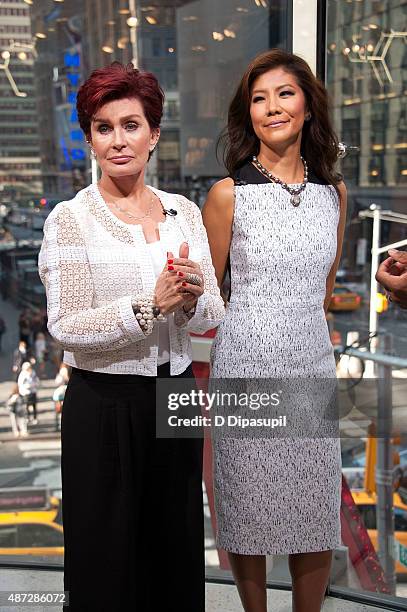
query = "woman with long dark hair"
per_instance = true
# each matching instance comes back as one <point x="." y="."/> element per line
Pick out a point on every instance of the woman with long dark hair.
<point x="277" y="222"/>
<point x="122" y="296"/>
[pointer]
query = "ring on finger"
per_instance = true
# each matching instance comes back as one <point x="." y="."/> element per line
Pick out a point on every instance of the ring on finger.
<point x="193" y="279"/>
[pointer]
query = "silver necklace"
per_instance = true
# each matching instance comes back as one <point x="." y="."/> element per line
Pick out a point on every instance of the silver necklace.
<point x="146" y="214"/>
<point x="295" y="192"/>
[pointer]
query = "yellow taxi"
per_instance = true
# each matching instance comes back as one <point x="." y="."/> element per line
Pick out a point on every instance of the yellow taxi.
<point x="366" y="503"/>
<point x="28" y="523"/>
<point x="343" y="299"/>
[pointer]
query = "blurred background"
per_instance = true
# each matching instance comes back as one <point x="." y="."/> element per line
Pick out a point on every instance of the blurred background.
<point x="198" y="51"/>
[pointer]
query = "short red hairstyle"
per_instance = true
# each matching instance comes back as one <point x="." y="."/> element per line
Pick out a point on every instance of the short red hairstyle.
<point x="116" y="82"/>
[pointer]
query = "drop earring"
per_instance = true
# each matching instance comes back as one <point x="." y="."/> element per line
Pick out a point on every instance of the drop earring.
<point x="92" y="150"/>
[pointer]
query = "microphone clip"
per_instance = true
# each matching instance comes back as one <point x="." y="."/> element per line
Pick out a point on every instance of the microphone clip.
<point x="170" y="212"/>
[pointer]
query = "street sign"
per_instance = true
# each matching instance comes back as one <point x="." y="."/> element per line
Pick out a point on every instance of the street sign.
<point x="400" y="553"/>
<point x="22" y="498"/>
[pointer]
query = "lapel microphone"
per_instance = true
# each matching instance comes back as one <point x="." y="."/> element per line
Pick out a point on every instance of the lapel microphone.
<point x="171" y="212"/>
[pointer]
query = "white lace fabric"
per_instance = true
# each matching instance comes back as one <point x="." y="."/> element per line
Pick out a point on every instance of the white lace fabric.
<point x="93" y="265"/>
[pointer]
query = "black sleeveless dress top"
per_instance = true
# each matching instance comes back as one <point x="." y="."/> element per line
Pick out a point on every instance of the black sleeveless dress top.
<point x="250" y="175"/>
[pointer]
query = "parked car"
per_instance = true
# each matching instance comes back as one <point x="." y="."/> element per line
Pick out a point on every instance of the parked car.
<point x="343" y="299"/>
<point x="29" y="537"/>
<point x="30" y="522"/>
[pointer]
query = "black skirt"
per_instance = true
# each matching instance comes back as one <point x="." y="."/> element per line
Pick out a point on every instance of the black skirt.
<point x="132" y="503"/>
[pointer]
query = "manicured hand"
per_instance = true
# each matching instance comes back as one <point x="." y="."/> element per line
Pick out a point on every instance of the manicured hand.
<point x="167" y="294"/>
<point x="181" y="267"/>
<point x="392" y="275"/>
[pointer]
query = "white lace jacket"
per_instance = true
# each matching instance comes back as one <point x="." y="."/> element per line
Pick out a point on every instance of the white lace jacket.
<point x="92" y="265"/>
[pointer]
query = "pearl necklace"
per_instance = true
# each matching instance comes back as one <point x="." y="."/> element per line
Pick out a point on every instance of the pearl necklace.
<point x="125" y="212"/>
<point x="295" y="192"/>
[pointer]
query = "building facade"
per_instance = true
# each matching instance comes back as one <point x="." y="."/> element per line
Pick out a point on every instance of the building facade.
<point x="59" y="70"/>
<point x="366" y="75"/>
<point x="20" y="164"/>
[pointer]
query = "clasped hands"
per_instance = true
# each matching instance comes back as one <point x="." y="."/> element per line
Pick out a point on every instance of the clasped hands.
<point x="172" y="290"/>
<point x="392" y="275"/>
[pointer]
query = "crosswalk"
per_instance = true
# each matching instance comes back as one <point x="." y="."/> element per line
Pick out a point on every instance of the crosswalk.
<point x="40" y="448"/>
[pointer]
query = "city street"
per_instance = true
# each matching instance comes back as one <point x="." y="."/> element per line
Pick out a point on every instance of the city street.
<point x="394" y="322"/>
<point x="31" y="462"/>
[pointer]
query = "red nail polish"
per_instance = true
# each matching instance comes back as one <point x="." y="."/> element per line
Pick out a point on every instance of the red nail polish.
<point x="170" y="267"/>
<point x="184" y="284"/>
<point x="170" y="261"/>
<point x="181" y="274"/>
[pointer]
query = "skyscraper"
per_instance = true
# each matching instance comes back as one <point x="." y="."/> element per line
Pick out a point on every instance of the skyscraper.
<point x="145" y="32"/>
<point x="20" y="163"/>
<point x="60" y="68"/>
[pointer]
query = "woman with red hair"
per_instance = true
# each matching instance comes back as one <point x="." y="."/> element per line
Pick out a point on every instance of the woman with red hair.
<point x="124" y="289"/>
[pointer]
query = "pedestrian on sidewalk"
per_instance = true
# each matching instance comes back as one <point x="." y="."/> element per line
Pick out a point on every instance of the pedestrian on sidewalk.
<point x="20" y="355"/>
<point x="17" y="411"/>
<point x="3" y="329"/>
<point x="61" y="381"/>
<point x="40" y="346"/>
<point x="36" y="323"/>
<point x="28" y="383"/>
<point x="24" y="326"/>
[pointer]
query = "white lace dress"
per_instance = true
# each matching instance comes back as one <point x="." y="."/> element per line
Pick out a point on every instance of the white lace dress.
<point x="278" y="496"/>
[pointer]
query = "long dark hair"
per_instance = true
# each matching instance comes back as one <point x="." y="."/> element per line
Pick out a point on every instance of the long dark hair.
<point x="319" y="144"/>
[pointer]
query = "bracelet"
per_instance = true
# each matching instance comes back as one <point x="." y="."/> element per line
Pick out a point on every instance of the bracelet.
<point x="146" y="312"/>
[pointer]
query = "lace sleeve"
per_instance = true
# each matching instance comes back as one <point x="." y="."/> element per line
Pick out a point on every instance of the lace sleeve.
<point x="210" y="309"/>
<point x="65" y="272"/>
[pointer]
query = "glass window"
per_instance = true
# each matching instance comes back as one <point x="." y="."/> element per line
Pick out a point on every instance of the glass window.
<point x="368" y="514"/>
<point x="400" y="519"/>
<point x="36" y="535"/>
<point x="366" y="78"/>
<point x="8" y="536"/>
<point x="156" y="46"/>
<point x="198" y="51"/>
<point x="366" y="55"/>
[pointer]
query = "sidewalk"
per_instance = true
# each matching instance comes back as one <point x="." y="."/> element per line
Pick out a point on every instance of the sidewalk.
<point x="45" y="428"/>
<point x="45" y="406"/>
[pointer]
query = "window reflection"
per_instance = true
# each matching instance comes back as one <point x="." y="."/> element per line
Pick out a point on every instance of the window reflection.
<point x="366" y="77"/>
<point x="197" y="51"/>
